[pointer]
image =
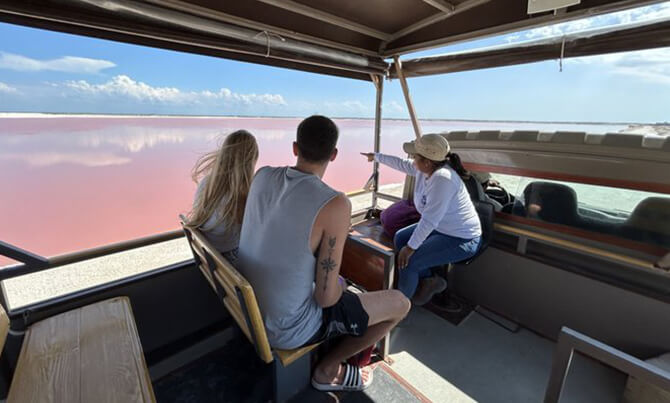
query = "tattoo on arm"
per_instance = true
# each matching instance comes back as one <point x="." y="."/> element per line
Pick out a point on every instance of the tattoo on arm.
<point x="328" y="264"/>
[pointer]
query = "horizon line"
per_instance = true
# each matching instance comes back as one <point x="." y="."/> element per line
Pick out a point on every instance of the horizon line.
<point x="6" y="114"/>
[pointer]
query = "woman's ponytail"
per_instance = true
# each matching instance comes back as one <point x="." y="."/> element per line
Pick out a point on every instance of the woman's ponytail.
<point x="454" y="161"/>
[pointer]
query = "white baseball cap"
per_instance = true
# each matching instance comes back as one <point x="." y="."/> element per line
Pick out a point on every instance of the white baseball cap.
<point x="432" y="146"/>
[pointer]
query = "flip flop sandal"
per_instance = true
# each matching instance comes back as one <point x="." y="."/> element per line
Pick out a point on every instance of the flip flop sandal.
<point x="352" y="381"/>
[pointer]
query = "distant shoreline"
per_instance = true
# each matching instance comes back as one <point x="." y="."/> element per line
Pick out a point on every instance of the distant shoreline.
<point x="10" y="115"/>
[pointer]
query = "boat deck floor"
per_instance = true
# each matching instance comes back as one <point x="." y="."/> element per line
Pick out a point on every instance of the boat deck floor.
<point x="433" y="360"/>
<point x="480" y="361"/>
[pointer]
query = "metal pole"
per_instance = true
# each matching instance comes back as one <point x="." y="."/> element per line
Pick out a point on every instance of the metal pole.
<point x="68" y="258"/>
<point x="379" y="85"/>
<point x="23" y="256"/>
<point x="270" y="40"/>
<point x="408" y="98"/>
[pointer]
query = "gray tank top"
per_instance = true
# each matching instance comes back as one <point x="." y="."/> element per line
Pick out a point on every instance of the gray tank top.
<point x="275" y="254"/>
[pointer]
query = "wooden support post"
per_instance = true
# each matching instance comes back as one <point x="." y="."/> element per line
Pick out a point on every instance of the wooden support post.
<point x="408" y="99"/>
<point x="407" y="191"/>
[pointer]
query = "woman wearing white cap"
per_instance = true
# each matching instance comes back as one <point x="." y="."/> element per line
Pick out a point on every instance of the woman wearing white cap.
<point x="449" y="229"/>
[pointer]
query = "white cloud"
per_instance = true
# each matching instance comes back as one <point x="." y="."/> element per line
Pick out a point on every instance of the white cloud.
<point x="272" y="134"/>
<point x="651" y="65"/>
<point x="125" y="87"/>
<point x="656" y="12"/>
<point x="350" y="107"/>
<point x="89" y="159"/>
<point x="393" y="107"/>
<point x="558" y="29"/>
<point x="4" y="88"/>
<point x="355" y="105"/>
<point x="132" y="139"/>
<point x="641" y="14"/>
<point x="127" y="138"/>
<point x="357" y="108"/>
<point x="66" y="64"/>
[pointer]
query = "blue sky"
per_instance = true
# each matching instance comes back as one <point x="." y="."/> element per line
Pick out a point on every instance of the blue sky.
<point x="43" y="71"/>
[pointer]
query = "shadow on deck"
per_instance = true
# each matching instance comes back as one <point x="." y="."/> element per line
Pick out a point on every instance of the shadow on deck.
<point x="477" y="361"/>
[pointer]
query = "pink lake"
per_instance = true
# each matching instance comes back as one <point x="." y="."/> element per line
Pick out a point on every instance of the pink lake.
<point x="72" y="183"/>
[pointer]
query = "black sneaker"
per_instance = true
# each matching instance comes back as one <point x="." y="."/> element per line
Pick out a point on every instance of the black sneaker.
<point x="428" y="287"/>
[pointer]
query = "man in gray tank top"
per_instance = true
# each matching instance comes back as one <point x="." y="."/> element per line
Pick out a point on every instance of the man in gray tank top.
<point x="291" y="243"/>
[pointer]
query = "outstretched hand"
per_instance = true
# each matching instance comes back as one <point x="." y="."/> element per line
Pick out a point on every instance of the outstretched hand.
<point x="371" y="156"/>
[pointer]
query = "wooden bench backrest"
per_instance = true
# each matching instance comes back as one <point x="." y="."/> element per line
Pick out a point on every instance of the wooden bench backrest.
<point x="232" y="288"/>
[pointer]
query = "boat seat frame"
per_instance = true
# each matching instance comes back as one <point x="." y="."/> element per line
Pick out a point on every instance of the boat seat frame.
<point x="291" y="368"/>
<point x="570" y="341"/>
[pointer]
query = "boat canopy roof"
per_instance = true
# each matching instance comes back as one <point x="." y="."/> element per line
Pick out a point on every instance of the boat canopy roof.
<point x="348" y="38"/>
<point x="627" y="38"/>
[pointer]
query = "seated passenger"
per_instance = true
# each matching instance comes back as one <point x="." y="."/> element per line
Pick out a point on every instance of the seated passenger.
<point x="449" y="229"/>
<point x="223" y="178"/>
<point x="650" y="222"/>
<point x="293" y="236"/>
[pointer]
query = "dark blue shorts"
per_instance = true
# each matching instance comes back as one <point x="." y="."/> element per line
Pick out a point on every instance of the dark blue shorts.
<point x="346" y="317"/>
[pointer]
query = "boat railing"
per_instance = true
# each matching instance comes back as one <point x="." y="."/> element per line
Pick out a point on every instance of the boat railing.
<point x="31" y="263"/>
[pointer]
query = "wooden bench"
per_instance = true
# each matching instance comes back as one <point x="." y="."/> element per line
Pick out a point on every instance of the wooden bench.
<point x="89" y="354"/>
<point x="291" y="368"/>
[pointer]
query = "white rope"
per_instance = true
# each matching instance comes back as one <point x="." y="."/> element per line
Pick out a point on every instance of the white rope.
<point x="560" y="62"/>
<point x="267" y="39"/>
<point x="16" y="332"/>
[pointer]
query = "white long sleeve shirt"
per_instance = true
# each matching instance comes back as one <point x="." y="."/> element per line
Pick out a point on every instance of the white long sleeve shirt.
<point x="442" y="200"/>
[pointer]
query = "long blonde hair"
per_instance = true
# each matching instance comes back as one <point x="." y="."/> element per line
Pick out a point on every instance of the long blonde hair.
<point x="230" y="170"/>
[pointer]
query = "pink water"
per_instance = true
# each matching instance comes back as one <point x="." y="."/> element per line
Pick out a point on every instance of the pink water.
<point x="71" y="183"/>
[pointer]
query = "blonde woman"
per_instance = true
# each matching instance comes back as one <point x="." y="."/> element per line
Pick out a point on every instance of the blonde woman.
<point x="224" y="177"/>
